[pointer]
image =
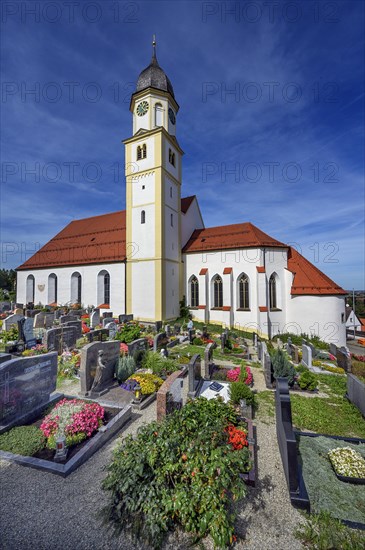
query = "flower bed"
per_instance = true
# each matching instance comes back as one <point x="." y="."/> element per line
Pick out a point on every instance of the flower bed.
<point x="180" y="472"/>
<point x="26" y="445"/>
<point x="348" y="464"/>
<point x="233" y="375"/>
<point x="149" y="383"/>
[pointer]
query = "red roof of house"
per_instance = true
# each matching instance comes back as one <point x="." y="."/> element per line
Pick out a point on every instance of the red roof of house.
<point x="239" y="235"/>
<point x="308" y="279"/>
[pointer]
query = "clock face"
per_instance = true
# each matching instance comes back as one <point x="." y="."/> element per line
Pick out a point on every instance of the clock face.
<point x="142" y="108"/>
<point x="172" y="116"/>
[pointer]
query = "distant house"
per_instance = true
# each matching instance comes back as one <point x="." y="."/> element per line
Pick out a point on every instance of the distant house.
<point x="352" y="319"/>
<point x="362" y="321"/>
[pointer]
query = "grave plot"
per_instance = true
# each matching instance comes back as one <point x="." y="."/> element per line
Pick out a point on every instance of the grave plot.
<point x="29" y="438"/>
<point x="313" y="482"/>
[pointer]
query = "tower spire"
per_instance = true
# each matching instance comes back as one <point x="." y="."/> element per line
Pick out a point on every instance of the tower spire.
<point x="154" y="58"/>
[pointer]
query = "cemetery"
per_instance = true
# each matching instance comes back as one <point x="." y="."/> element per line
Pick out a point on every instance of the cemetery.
<point x="185" y="408"/>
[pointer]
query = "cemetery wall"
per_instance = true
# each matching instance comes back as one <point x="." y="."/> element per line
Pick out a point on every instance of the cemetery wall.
<point x="89" y="275"/>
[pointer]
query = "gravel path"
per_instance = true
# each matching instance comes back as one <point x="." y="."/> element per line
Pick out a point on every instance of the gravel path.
<point x="43" y="511"/>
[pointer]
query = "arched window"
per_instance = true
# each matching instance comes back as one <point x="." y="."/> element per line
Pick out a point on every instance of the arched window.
<point x="243" y="292"/>
<point x="158" y="114"/>
<point x="217" y="291"/>
<point x="76" y="288"/>
<point x="52" y="289"/>
<point x="30" y="288"/>
<point x="141" y="151"/>
<point x="194" y="291"/>
<point x="143" y="216"/>
<point x="103" y="288"/>
<point x="273" y="291"/>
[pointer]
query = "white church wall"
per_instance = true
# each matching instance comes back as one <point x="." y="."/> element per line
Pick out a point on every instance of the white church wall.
<point x="320" y="315"/>
<point x="143" y="188"/>
<point x="143" y="277"/>
<point x="144" y="233"/>
<point x="89" y="289"/>
<point x="171" y="290"/>
<point x="172" y="195"/>
<point x="172" y="251"/>
<point x="190" y="221"/>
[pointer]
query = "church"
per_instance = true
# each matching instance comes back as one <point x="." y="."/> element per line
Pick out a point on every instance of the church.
<point x="145" y="259"/>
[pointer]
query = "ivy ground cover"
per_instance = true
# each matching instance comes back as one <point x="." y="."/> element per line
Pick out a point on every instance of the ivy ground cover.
<point x="326" y="492"/>
<point x="182" y="472"/>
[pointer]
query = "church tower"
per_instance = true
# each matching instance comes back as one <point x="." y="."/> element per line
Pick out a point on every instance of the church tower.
<point x="153" y="202"/>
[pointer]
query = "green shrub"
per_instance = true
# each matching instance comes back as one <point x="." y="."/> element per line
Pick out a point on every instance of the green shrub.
<point x="301" y="368"/>
<point x="197" y="342"/>
<point x="358" y="368"/>
<point x="308" y="381"/>
<point x="129" y="333"/>
<point x="126" y="367"/>
<point x="324" y="532"/>
<point x="228" y="344"/>
<point x="162" y="366"/>
<point x="180" y="472"/>
<point x="220" y="374"/>
<point x="23" y="440"/>
<point x="282" y="366"/>
<point x="240" y="390"/>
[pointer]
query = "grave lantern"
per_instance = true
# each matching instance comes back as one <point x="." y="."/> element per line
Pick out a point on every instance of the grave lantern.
<point x="61" y="449"/>
<point x="137" y="392"/>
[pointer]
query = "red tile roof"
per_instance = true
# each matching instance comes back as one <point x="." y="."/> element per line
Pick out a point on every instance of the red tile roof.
<point x="100" y="239"/>
<point x="308" y="279"/>
<point x="239" y="235"/>
<point x="260" y="269"/>
<point x="203" y="271"/>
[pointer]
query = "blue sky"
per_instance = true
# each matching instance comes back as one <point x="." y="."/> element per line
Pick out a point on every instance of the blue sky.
<point x="271" y="117"/>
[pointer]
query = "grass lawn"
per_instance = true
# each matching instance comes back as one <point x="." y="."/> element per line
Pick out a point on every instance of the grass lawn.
<point x="332" y="415"/>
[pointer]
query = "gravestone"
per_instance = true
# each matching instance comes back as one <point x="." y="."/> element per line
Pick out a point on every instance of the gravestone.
<point x="208" y="359"/>
<point x="95" y="318"/>
<point x="268" y="370"/>
<point x="77" y="325"/>
<point x="4" y="306"/>
<point x="107" y="315"/>
<point x="194" y="375"/>
<point x="26" y="333"/>
<point x="224" y="337"/>
<point x="56" y="339"/>
<point x="99" y="335"/>
<point x="159" y="341"/>
<point x="285" y="435"/>
<point x="125" y="318"/>
<point x="58" y="313"/>
<point x="137" y="345"/>
<point x="31" y="313"/>
<point x="26" y="384"/>
<point x="177" y="329"/>
<point x="5" y="357"/>
<point x="263" y="351"/>
<point x="158" y="326"/>
<point x="106" y="321"/>
<point x="259" y="351"/>
<point x="174" y="396"/>
<point x="49" y="320"/>
<point x="333" y="349"/>
<point x="191" y="332"/>
<point x="343" y="359"/>
<point x="314" y="351"/>
<point x="307" y="356"/>
<point x="39" y="319"/>
<point x="11" y="320"/>
<point x="168" y="331"/>
<point x="67" y="318"/>
<point x="295" y="353"/>
<point x="113" y="329"/>
<point x="356" y="392"/>
<point x="89" y="364"/>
